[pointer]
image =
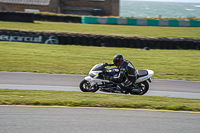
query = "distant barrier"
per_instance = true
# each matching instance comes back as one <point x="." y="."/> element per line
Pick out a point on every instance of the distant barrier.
<point x="140" y="22"/>
<point x="30" y="17"/>
<point x="17" y="17"/>
<point x="98" y="40"/>
<point x="55" y="18"/>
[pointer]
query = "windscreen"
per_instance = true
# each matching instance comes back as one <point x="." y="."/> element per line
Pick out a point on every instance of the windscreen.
<point x="98" y="67"/>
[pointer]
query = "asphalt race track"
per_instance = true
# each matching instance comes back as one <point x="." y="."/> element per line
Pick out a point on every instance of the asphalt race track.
<point x="15" y="119"/>
<point x="63" y="82"/>
<point x="29" y="119"/>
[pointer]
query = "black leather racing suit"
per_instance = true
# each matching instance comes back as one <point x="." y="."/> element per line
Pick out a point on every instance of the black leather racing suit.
<point x="128" y="70"/>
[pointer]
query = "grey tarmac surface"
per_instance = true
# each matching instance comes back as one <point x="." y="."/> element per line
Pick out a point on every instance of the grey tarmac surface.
<point x="14" y="119"/>
<point x="64" y="82"/>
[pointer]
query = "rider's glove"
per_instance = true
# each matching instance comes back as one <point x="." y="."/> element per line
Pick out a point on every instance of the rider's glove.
<point x="105" y="64"/>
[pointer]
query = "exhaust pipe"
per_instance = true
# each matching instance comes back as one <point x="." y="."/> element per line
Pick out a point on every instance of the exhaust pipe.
<point x="136" y="90"/>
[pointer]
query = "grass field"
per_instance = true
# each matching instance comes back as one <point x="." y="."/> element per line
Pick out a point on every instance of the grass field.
<point x="150" y="31"/>
<point x="78" y="99"/>
<point x="70" y="59"/>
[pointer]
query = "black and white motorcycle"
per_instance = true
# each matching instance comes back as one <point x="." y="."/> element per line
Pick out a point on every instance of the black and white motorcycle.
<point x="96" y="81"/>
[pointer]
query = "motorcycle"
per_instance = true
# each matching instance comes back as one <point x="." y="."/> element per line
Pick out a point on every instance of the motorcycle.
<point x="96" y="80"/>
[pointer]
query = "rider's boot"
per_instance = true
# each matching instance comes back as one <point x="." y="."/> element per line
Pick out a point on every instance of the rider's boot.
<point x="126" y="90"/>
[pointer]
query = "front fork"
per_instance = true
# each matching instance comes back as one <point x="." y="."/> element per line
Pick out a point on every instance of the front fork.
<point x="149" y="80"/>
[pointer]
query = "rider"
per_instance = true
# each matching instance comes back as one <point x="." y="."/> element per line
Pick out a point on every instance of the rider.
<point x="126" y="70"/>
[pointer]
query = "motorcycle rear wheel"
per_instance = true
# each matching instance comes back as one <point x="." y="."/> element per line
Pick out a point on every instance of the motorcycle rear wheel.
<point x="86" y="87"/>
<point x="143" y="88"/>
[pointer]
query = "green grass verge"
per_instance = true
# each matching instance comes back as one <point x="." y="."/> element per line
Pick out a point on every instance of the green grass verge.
<point x="78" y="99"/>
<point x="70" y="59"/>
<point x="150" y="31"/>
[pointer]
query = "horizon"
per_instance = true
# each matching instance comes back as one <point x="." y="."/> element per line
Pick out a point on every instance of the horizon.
<point x="182" y="1"/>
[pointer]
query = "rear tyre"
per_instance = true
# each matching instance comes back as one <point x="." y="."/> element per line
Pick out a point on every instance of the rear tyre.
<point x="86" y="87"/>
<point x="142" y="89"/>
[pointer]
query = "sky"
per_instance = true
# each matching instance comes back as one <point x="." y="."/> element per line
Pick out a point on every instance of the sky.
<point x="188" y="1"/>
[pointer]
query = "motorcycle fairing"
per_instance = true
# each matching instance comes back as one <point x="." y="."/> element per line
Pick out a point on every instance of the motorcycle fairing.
<point x="94" y="81"/>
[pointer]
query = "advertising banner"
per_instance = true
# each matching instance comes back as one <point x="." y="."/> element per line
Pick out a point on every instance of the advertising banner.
<point x="28" y="37"/>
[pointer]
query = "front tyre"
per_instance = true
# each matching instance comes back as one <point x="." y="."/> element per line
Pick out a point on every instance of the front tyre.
<point x="141" y="90"/>
<point x="86" y="87"/>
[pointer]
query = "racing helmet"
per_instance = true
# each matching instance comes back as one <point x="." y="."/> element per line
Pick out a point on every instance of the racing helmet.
<point x="118" y="59"/>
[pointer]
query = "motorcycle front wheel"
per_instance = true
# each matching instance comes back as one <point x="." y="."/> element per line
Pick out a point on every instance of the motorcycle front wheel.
<point x="141" y="90"/>
<point x="86" y="87"/>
